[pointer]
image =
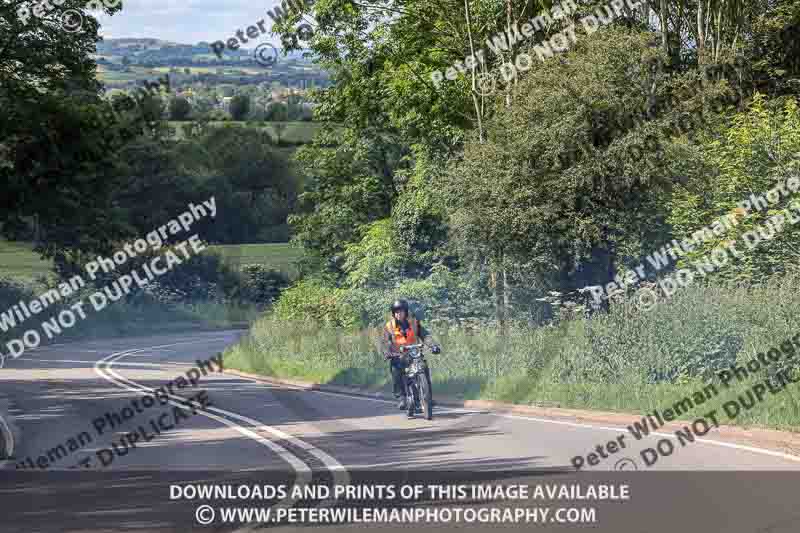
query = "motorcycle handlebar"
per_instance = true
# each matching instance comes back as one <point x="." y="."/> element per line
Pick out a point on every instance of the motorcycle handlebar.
<point x="410" y="346"/>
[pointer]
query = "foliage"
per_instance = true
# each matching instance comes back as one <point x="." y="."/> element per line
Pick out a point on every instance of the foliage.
<point x="240" y="107"/>
<point x="347" y="183"/>
<point x="277" y="112"/>
<point x="757" y="151"/>
<point x="627" y="360"/>
<point x="179" y="108"/>
<point x="315" y="301"/>
<point x="375" y="259"/>
<point x="262" y="285"/>
<point x="581" y="191"/>
<point x="775" y="48"/>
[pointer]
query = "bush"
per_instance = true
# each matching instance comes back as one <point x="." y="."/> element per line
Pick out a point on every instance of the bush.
<point x="262" y="285"/>
<point x="760" y="149"/>
<point x="314" y="301"/>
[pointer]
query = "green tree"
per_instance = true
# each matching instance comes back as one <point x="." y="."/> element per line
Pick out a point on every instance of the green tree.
<point x="757" y="150"/>
<point x="240" y="107"/>
<point x="179" y="108"/>
<point x="48" y="91"/>
<point x="554" y="192"/>
<point x="376" y="259"/>
<point x="775" y="48"/>
<point x="277" y="112"/>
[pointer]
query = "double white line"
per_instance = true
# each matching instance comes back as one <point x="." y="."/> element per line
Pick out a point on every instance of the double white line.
<point x="8" y="438"/>
<point x="104" y="369"/>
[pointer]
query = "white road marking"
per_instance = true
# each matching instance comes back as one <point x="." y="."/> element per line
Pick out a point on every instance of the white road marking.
<point x="304" y="473"/>
<point x="92" y="363"/>
<point x="9" y="437"/>
<point x="712" y="442"/>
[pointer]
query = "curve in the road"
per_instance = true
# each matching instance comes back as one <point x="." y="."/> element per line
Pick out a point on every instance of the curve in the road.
<point x="104" y="368"/>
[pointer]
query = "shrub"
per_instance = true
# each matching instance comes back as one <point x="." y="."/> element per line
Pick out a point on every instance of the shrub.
<point x="313" y="300"/>
<point x="760" y="149"/>
<point x="262" y="285"/>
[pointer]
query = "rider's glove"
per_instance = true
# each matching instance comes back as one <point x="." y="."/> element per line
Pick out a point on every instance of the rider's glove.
<point x="436" y="349"/>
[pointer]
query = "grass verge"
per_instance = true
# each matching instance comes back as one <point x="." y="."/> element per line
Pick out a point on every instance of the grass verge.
<point x="627" y="361"/>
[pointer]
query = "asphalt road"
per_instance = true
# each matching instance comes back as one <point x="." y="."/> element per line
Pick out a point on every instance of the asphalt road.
<point x="96" y="456"/>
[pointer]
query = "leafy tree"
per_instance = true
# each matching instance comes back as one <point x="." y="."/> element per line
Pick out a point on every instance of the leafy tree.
<point x="775" y="48"/>
<point x="240" y="107"/>
<point x="554" y="193"/>
<point x="759" y="149"/>
<point x="179" y="108"/>
<point x="48" y="92"/>
<point x="376" y="259"/>
<point x="277" y="112"/>
<point x="342" y="190"/>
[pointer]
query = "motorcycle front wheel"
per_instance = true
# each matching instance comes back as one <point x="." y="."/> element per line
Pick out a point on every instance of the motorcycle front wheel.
<point x="412" y="397"/>
<point x="425" y="396"/>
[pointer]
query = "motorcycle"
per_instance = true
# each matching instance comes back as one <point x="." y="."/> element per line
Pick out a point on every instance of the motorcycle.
<point x="418" y="388"/>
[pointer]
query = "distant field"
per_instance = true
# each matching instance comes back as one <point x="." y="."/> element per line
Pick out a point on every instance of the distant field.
<point x="279" y="256"/>
<point x="213" y="69"/>
<point x="113" y="76"/>
<point x="295" y="132"/>
<point x="18" y="260"/>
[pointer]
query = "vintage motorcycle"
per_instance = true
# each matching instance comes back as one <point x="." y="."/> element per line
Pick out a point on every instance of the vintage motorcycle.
<point x="418" y="388"/>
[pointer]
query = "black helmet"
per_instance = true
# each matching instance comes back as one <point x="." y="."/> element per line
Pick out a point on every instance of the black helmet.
<point x="400" y="305"/>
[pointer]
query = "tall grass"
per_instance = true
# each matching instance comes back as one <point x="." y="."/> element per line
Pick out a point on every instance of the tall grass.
<point x="628" y="360"/>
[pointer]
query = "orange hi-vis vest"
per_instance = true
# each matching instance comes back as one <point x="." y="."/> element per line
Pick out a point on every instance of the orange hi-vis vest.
<point x="398" y="339"/>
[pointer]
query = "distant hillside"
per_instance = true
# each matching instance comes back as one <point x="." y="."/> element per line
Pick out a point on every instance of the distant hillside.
<point x="157" y="52"/>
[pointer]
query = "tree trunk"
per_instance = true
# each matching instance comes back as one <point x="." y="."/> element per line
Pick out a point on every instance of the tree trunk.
<point x="478" y="105"/>
<point x="664" y="29"/>
<point x="701" y="33"/>
<point x="495" y="279"/>
<point x="506" y="291"/>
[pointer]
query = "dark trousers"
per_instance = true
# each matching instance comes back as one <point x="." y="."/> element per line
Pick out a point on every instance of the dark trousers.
<point x="398" y="378"/>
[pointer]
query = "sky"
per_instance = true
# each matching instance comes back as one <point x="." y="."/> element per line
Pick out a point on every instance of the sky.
<point x="187" y="21"/>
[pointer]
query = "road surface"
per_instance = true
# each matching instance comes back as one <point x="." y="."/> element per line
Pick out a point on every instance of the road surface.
<point x="95" y="456"/>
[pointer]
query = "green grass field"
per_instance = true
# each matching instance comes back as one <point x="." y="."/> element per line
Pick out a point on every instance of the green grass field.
<point x="17" y="260"/>
<point x="114" y="76"/>
<point x="294" y="132"/>
<point x="279" y="256"/>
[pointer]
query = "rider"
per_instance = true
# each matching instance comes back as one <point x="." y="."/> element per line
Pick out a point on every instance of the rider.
<point x="403" y="329"/>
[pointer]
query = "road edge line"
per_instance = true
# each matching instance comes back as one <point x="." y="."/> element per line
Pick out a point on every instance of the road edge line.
<point x="570" y="417"/>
